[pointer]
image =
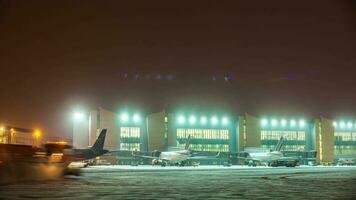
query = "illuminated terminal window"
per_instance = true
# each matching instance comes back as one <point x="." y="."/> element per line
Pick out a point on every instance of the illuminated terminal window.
<point x="286" y="148"/>
<point x="345" y="149"/>
<point x="343" y="136"/>
<point x="127" y="133"/>
<point x="208" y="139"/>
<point x="130" y="132"/>
<point x="345" y="142"/>
<point x="272" y="135"/>
<point x="288" y="135"/>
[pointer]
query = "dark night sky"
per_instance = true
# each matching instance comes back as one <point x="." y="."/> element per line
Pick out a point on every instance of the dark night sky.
<point x="283" y="57"/>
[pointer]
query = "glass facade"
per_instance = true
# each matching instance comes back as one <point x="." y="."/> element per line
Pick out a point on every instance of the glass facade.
<point x="130" y="138"/>
<point x="216" y="140"/>
<point x="294" y="139"/>
<point x="345" y="142"/>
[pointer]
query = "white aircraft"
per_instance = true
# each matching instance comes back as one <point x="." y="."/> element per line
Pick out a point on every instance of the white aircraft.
<point x="174" y="157"/>
<point x="271" y="158"/>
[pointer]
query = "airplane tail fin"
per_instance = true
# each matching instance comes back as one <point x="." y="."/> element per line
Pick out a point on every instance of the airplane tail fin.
<point x="187" y="143"/>
<point x="279" y="145"/>
<point x="99" y="143"/>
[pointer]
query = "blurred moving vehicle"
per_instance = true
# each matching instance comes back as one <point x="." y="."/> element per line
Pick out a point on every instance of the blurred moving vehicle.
<point x="21" y="162"/>
<point x="54" y="160"/>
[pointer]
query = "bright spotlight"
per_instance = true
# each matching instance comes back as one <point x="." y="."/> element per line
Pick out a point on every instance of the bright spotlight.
<point x="78" y="116"/>
<point x="301" y="123"/>
<point x="192" y="119"/>
<point x="136" y="118"/>
<point x="225" y="120"/>
<point x="203" y="120"/>
<point x="349" y="125"/>
<point x="2" y="128"/>
<point x="124" y="117"/>
<point x="283" y="122"/>
<point x="274" y="122"/>
<point x="335" y="124"/>
<point x="342" y="124"/>
<point x="292" y="123"/>
<point x="181" y="119"/>
<point x="264" y="122"/>
<point x="214" y="120"/>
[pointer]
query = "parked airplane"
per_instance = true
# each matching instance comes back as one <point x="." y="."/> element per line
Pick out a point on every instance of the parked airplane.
<point x="271" y="158"/>
<point x="86" y="154"/>
<point x="179" y="157"/>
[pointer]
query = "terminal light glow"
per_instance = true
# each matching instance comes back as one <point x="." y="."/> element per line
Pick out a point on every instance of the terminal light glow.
<point x="78" y="116"/>
<point x="181" y="119"/>
<point x="349" y="125"/>
<point x="283" y="122"/>
<point x="302" y="123"/>
<point x="192" y="119"/>
<point x="214" y="120"/>
<point x="225" y="121"/>
<point x="335" y="124"/>
<point x="264" y="122"/>
<point x="342" y="125"/>
<point x="124" y="117"/>
<point x="203" y="120"/>
<point x="274" y="122"/>
<point x="293" y="123"/>
<point x="136" y="118"/>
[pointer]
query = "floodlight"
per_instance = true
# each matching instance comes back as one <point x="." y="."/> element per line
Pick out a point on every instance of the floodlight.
<point x="136" y="118"/>
<point x="124" y="117"/>
<point x="203" y="120"/>
<point x="225" y="120"/>
<point x="181" y="119"/>
<point x="335" y="124"/>
<point x="264" y="122"/>
<point x="192" y="119"/>
<point x="293" y="123"/>
<point x="301" y="123"/>
<point x="214" y="120"/>
<point x="78" y="116"/>
<point x="349" y="125"/>
<point x="274" y="122"/>
<point x="283" y="122"/>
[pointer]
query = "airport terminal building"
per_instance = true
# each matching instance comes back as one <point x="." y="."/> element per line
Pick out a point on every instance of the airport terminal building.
<point x="318" y="139"/>
<point x="17" y="135"/>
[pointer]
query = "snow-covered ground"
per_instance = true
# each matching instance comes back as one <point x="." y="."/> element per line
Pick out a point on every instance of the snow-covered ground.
<point x="203" y="182"/>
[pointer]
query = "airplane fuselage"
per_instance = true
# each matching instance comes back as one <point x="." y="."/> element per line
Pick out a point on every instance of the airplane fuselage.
<point x="174" y="156"/>
<point x="266" y="156"/>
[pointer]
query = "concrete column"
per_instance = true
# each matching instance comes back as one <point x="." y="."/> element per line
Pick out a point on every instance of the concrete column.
<point x="109" y="120"/>
<point x="156" y="131"/>
<point x="253" y="131"/>
<point x="325" y="141"/>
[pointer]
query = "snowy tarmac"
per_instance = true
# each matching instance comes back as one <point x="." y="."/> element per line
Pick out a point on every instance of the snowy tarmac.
<point x="203" y="182"/>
